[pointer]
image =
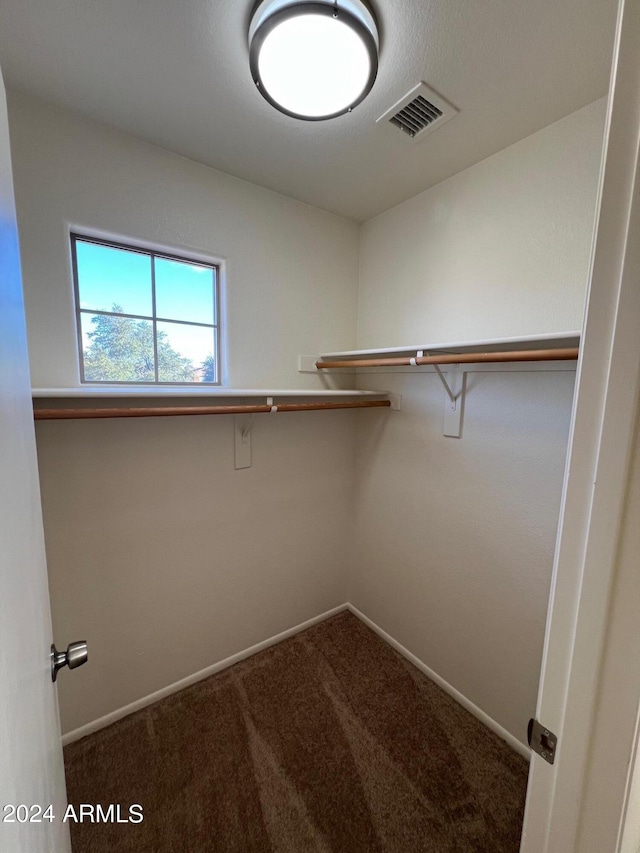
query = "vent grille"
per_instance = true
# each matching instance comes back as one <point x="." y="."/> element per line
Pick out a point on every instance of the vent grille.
<point x="418" y="113"/>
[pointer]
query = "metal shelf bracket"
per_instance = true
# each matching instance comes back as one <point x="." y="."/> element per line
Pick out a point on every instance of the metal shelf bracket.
<point x="456" y="387"/>
<point x="441" y="377"/>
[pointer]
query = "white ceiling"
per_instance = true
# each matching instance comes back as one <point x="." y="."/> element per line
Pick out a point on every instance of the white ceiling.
<point x="175" y="73"/>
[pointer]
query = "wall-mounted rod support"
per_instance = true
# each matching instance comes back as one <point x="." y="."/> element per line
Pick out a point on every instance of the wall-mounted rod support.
<point x="563" y="354"/>
<point x="166" y="411"/>
<point x="450" y="393"/>
<point x="242" y="440"/>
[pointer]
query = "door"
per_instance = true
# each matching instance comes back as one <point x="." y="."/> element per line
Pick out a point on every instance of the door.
<point x="578" y="804"/>
<point x="31" y="768"/>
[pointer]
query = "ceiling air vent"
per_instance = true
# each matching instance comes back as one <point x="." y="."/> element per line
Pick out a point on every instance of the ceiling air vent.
<point x="418" y="113"/>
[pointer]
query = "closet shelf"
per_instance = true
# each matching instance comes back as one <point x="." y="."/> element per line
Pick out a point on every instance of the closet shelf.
<point x="164" y="391"/>
<point x="537" y="348"/>
<point x="560" y="347"/>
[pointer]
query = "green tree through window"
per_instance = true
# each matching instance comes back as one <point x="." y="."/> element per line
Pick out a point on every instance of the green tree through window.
<point x="208" y="369"/>
<point x="121" y="350"/>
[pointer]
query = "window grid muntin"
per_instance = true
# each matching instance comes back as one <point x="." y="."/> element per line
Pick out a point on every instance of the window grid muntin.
<point x="154" y="321"/>
<point x="152" y="254"/>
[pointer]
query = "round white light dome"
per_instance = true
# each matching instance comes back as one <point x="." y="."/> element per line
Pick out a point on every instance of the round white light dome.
<point x="313" y="60"/>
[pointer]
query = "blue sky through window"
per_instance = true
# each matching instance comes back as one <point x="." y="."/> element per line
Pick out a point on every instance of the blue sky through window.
<point x="184" y="291"/>
<point x="109" y="276"/>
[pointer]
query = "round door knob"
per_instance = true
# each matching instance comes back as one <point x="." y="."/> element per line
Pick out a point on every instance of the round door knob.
<point x="77" y="653"/>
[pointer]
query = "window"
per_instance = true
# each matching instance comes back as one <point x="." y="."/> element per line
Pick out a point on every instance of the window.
<point x="144" y="316"/>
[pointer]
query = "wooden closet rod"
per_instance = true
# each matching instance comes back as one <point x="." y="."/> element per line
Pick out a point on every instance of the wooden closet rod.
<point x="565" y="354"/>
<point x="169" y="411"/>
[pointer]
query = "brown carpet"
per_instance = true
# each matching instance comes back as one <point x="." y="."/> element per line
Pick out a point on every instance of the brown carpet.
<point x="329" y="741"/>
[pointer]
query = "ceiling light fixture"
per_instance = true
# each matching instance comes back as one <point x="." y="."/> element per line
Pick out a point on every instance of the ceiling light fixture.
<point x="313" y="60"/>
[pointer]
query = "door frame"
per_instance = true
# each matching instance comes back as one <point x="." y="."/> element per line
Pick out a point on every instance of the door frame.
<point x="579" y="673"/>
<point x="31" y="758"/>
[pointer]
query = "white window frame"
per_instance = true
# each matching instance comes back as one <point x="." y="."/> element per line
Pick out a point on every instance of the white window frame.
<point x="77" y="234"/>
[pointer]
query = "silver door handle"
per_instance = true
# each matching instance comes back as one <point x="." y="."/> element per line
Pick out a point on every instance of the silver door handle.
<point x="76" y="654"/>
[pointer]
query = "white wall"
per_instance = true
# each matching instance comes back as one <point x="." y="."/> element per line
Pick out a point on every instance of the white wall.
<point x="499" y="250"/>
<point x="455" y="538"/>
<point x="167" y="560"/>
<point x="156" y="544"/>
<point x="160" y="554"/>
<point x="291" y="268"/>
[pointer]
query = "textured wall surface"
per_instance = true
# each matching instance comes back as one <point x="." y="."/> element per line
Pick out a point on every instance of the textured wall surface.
<point x="499" y="250"/>
<point x="291" y="269"/>
<point x="455" y="538"/>
<point x="162" y="555"/>
<point x="167" y="560"/>
<point x="155" y="543"/>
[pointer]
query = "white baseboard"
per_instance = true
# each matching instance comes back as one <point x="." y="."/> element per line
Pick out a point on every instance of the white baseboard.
<point x="488" y="721"/>
<point x="139" y="704"/>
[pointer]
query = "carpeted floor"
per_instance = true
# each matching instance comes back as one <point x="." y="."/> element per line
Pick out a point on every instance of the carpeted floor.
<point x="329" y="741"/>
